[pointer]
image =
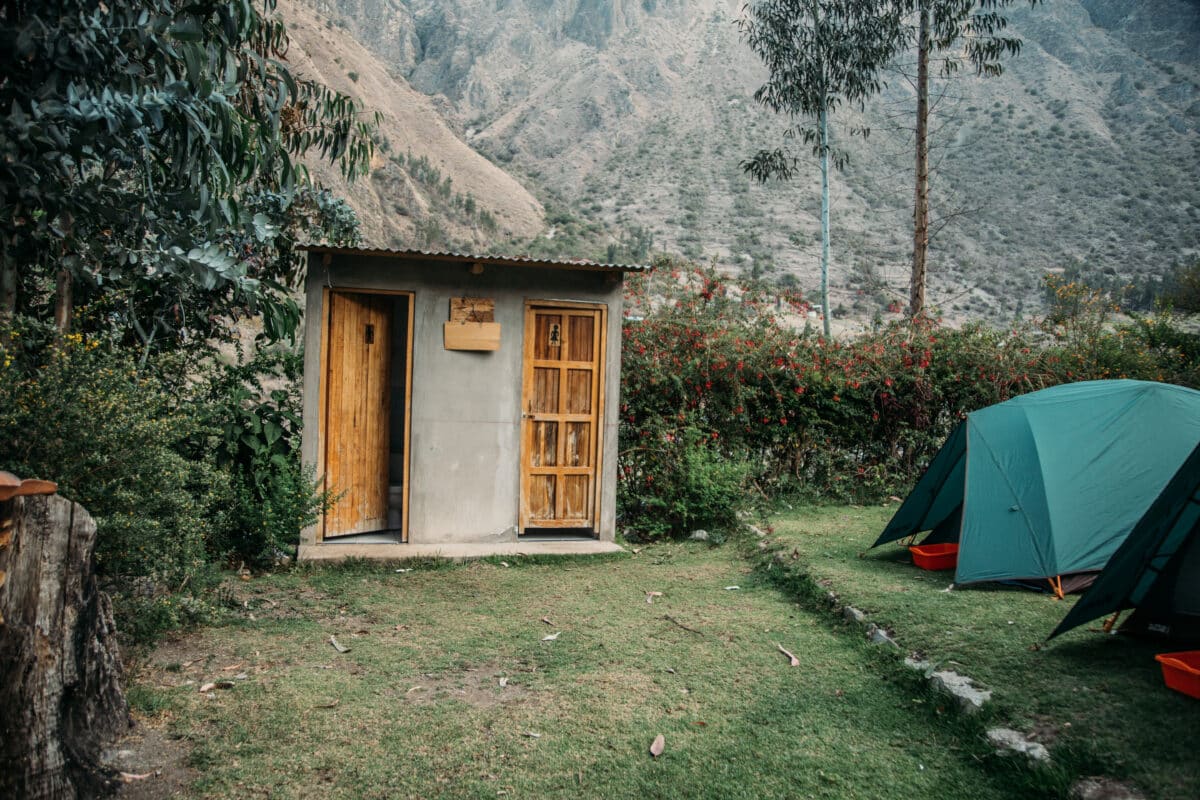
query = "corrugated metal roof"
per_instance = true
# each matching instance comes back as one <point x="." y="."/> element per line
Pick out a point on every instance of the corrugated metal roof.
<point x="522" y="261"/>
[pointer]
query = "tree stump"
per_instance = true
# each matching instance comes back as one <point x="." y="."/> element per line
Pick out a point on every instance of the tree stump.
<point x="60" y="671"/>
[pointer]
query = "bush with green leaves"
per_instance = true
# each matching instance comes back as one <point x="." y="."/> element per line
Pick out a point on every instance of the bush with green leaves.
<point x="676" y="481"/>
<point x="115" y="439"/>
<point x="255" y="408"/>
<point x="734" y="367"/>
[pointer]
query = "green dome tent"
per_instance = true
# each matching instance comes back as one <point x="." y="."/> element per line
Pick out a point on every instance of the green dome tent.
<point x="1157" y="569"/>
<point x="1050" y="483"/>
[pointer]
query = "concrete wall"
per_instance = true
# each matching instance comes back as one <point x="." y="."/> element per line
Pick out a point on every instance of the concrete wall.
<point x="466" y="406"/>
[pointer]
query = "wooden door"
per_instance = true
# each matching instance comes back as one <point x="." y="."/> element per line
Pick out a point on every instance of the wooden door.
<point x="357" y="400"/>
<point x="561" y="401"/>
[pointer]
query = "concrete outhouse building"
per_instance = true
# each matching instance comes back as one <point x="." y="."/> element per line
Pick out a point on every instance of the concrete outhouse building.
<point x="459" y="404"/>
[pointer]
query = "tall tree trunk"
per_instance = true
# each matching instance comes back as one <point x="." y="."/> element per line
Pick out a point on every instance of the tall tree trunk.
<point x="63" y="302"/>
<point x="916" y="286"/>
<point x="825" y="310"/>
<point x="60" y="695"/>
<point x="8" y="291"/>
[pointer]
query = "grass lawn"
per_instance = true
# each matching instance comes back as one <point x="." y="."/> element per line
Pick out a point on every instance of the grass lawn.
<point x="416" y="707"/>
<point x="1099" y="701"/>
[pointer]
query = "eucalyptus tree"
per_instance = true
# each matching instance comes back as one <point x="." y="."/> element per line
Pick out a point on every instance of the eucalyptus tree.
<point x="961" y="32"/>
<point x="819" y="54"/>
<point x="149" y="157"/>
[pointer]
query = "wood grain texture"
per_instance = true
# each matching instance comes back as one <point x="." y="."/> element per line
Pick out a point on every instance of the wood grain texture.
<point x="472" y="309"/>
<point x="562" y="373"/>
<point x="61" y="696"/>
<point x="356" y="432"/>
<point x="478" y="336"/>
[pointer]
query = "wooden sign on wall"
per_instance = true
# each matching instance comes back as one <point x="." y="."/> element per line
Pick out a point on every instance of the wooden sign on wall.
<point x="472" y="309"/>
<point x="472" y="325"/>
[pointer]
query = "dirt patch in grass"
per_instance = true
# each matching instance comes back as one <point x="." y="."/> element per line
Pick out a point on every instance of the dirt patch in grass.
<point x="482" y="687"/>
<point x="153" y="762"/>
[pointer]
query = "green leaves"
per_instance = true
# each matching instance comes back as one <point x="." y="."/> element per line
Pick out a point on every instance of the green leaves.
<point x="138" y="132"/>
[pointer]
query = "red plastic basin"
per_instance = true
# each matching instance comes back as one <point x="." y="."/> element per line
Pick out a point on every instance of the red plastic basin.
<point x="1181" y="671"/>
<point x="934" y="556"/>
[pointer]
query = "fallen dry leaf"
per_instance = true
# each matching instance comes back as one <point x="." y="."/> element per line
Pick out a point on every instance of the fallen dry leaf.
<point x="504" y="563"/>
<point x="795" y="662"/>
<point x="651" y="595"/>
<point x="532" y="735"/>
<point x="340" y="648"/>
<point x="331" y="704"/>
<point x="503" y="682"/>
<point x="551" y="637"/>
<point x="232" y="667"/>
<point x="415" y="689"/>
<point x="732" y="588"/>
<point x="547" y="620"/>
<point x="207" y="687"/>
<point x="129" y="777"/>
<point x="656" y="747"/>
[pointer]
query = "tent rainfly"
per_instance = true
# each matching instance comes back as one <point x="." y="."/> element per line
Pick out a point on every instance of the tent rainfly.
<point x="1050" y="483"/>
<point x="1157" y="569"/>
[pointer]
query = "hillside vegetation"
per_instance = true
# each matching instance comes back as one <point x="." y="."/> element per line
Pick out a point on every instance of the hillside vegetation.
<point x="632" y="118"/>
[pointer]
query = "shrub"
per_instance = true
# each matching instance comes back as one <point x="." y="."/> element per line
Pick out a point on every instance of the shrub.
<point x="112" y="437"/>
<point x="254" y="404"/>
<point x="678" y="483"/>
<point x="850" y="421"/>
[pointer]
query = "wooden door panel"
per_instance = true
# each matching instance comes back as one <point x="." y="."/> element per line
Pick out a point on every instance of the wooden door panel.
<point x="541" y="500"/>
<point x="576" y="494"/>
<point x="579" y="391"/>
<point x="357" y="413"/>
<point x="548" y="337"/>
<point x="545" y="390"/>
<point x="545" y="444"/>
<point x="561" y="404"/>
<point x="577" y="450"/>
<point x="580" y="346"/>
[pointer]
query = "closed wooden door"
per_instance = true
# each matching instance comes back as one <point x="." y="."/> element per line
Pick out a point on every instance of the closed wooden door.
<point x="357" y="401"/>
<point x="561" y="399"/>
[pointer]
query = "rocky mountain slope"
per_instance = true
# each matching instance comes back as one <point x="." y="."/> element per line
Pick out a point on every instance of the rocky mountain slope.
<point x="427" y="187"/>
<point x="628" y="119"/>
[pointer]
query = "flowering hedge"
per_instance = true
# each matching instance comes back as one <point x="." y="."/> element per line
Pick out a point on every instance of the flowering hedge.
<point x="734" y="371"/>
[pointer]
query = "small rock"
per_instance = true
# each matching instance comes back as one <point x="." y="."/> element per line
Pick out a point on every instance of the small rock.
<point x="757" y="531"/>
<point x="1007" y="741"/>
<point x="877" y="635"/>
<point x="919" y="665"/>
<point x="969" y="696"/>
<point x="852" y="614"/>
<point x="699" y="535"/>
<point x="831" y="598"/>
<point x="1097" y="788"/>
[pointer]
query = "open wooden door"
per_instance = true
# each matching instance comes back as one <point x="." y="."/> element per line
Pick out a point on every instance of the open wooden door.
<point x="560" y="430"/>
<point x="355" y="423"/>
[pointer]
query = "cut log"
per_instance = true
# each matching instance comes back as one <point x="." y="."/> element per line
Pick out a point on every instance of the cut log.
<point x="61" y="691"/>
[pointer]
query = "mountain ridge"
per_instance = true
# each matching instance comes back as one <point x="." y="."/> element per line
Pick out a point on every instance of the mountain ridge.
<point x="632" y="117"/>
